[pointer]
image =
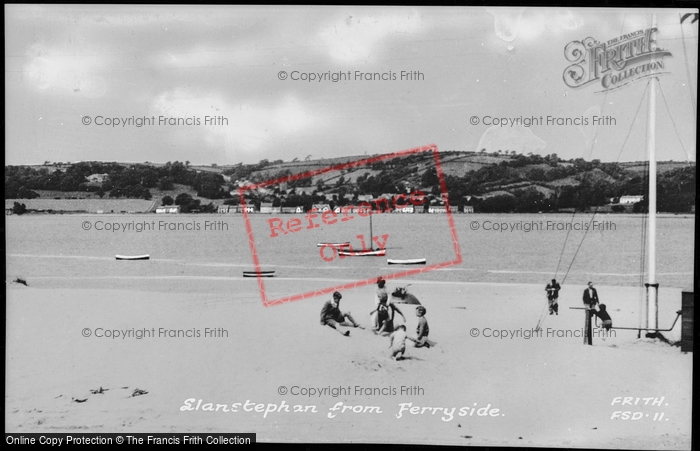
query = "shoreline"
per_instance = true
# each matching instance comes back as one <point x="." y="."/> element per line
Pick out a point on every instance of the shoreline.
<point x="258" y="213"/>
<point x="397" y="281"/>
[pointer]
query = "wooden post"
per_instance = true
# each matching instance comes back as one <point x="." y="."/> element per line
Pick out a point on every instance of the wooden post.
<point x="687" y="321"/>
<point x="588" y="336"/>
<point x="587" y="326"/>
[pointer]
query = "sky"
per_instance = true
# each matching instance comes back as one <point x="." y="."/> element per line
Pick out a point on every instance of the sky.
<point x="237" y="83"/>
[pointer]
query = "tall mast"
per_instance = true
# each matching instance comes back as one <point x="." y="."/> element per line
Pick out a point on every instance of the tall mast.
<point x="652" y="300"/>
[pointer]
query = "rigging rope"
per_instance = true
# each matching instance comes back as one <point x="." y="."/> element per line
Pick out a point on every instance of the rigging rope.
<point x="573" y="259"/>
<point x="561" y="254"/>
<point x="687" y="155"/>
<point x="617" y="161"/>
<point x="687" y="70"/>
<point x="580" y="244"/>
<point x="556" y="273"/>
<point x="566" y="239"/>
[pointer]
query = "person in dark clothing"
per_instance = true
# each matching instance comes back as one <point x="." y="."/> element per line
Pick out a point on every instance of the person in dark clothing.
<point x="553" y="296"/>
<point x="385" y="316"/>
<point x="332" y="316"/>
<point x="602" y="313"/>
<point x="590" y="296"/>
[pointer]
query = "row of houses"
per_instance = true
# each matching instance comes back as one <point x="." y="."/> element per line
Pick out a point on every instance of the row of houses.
<point x="323" y="208"/>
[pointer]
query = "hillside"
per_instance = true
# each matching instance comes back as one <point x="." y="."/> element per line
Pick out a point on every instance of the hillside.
<point x="491" y="182"/>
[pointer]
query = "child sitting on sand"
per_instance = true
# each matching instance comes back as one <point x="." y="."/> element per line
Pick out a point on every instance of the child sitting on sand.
<point x="423" y="330"/>
<point x="333" y="317"/>
<point x="397" y="342"/>
<point x="385" y="316"/>
<point x="383" y="323"/>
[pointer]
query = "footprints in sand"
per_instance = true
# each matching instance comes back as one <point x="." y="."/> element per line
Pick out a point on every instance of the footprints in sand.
<point x="377" y="365"/>
<point x="101" y="391"/>
<point x="367" y="363"/>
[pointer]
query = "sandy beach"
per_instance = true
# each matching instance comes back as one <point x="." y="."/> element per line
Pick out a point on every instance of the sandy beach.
<point x="548" y="390"/>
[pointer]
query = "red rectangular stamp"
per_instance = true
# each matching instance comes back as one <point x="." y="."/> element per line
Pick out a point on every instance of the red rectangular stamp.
<point x="307" y="213"/>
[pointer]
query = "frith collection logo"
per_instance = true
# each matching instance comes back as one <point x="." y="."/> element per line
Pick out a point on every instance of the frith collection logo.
<point x="614" y="63"/>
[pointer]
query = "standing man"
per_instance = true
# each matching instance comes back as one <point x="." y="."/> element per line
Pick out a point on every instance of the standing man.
<point x="333" y="317"/>
<point x="590" y="296"/>
<point x="553" y="296"/>
<point x="381" y="295"/>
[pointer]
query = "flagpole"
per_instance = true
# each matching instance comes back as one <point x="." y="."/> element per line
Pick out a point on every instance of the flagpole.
<point x="652" y="298"/>
<point x="371" y="246"/>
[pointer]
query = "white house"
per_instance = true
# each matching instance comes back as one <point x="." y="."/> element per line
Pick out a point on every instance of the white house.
<point x="97" y="178"/>
<point x="404" y="209"/>
<point x="631" y="199"/>
<point x="266" y="207"/>
<point x="322" y="207"/>
<point x="168" y="209"/>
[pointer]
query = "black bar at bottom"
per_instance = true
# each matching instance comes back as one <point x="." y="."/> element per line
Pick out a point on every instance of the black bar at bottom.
<point x="54" y="439"/>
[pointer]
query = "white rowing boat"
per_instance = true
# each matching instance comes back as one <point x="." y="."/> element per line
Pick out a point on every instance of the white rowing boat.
<point x="408" y="261"/>
<point x="258" y="274"/>
<point x="133" y="257"/>
<point x="346" y="244"/>
<point x="366" y="253"/>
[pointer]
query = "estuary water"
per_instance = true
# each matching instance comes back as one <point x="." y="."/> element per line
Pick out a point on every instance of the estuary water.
<point x="209" y="252"/>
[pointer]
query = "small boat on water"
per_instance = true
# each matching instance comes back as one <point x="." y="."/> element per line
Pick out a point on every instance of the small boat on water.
<point x="408" y="261"/>
<point x="346" y="244"/>
<point x="364" y="253"/>
<point x="133" y="257"/>
<point x="258" y="274"/>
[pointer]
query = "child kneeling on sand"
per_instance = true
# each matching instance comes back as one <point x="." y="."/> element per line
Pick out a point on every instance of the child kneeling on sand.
<point x="602" y="313"/>
<point x="397" y="342"/>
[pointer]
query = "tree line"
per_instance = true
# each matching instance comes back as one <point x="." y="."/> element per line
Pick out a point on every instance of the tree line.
<point x="533" y="183"/>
